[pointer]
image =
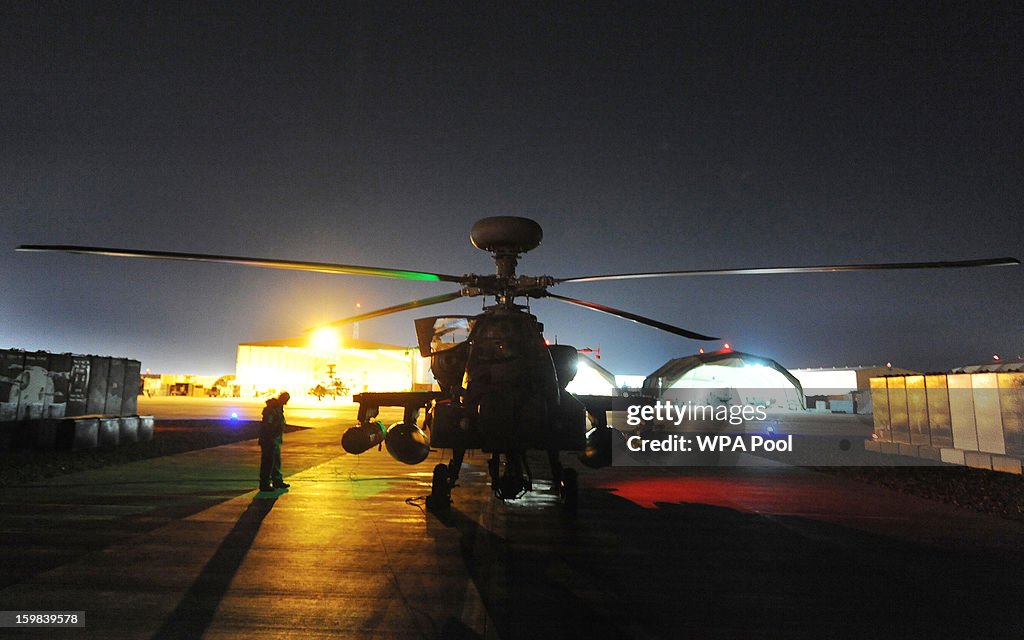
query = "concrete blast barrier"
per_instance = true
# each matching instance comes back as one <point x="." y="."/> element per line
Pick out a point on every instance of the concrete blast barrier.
<point x="12" y="364"/>
<point x="131" y="388"/>
<point x="59" y="369"/>
<point x="145" y="428"/>
<point x="1011" y="403"/>
<point x="78" y="433"/>
<point x="115" y="388"/>
<point x="99" y="372"/>
<point x="70" y="402"/>
<point x="41" y="385"/>
<point x="917" y="410"/>
<point x="880" y="400"/>
<point x="975" y="419"/>
<point x="899" y="420"/>
<point x="961" y="411"/>
<point x="988" y="418"/>
<point x="128" y="427"/>
<point x="109" y="432"/>
<point x="939" y="421"/>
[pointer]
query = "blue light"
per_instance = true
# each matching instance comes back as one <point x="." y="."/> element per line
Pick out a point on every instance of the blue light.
<point x="234" y="416"/>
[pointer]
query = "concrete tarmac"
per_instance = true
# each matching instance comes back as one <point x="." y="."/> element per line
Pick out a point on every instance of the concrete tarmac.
<point x="184" y="547"/>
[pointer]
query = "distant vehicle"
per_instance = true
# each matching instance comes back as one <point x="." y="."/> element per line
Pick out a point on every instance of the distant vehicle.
<point x="184" y="389"/>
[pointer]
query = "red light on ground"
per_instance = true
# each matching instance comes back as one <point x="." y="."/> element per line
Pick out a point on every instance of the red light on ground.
<point x="727" y="346"/>
<point x="702" y="350"/>
<point x="995" y="356"/>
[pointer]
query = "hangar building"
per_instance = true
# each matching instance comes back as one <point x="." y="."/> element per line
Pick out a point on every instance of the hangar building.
<point x="299" y="365"/>
<point x="842" y="380"/>
<point x="842" y="389"/>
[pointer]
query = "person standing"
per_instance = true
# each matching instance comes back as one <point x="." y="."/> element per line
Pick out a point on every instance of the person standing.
<point x="271" y="438"/>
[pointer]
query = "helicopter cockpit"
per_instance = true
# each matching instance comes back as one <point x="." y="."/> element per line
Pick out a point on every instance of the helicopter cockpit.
<point x="441" y="333"/>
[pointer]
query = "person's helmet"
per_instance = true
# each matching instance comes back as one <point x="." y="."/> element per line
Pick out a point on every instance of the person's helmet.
<point x="285" y="396"/>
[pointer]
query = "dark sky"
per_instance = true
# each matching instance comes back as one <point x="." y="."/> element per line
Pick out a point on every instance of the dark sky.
<point x="642" y="136"/>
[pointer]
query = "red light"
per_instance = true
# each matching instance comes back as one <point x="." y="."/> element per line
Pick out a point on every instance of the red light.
<point x="728" y="346"/>
<point x="995" y="356"/>
<point x="702" y="349"/>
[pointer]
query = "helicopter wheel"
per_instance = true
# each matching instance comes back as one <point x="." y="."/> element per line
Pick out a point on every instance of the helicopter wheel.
<point x="569" y="490"/>
<point x="493" y="470"/>
<point x="440" y="498"/>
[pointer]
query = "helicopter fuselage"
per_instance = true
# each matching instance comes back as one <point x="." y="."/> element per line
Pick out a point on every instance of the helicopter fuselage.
<point x="502" y="390"/>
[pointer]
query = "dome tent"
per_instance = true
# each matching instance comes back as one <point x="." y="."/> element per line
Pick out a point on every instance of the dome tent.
<point x="729" y="377"/>
<point x="592" y="379"/>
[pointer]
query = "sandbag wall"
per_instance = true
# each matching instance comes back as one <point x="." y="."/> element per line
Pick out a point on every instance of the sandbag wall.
<point x="973" y="419"/>
<point x="40" y="385"/>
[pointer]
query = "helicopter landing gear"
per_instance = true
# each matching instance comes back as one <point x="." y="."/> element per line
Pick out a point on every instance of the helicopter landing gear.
<point x="455" y="466"/>
<point x="440" y="498"/>
<point x="568" y="490"/>
<point x="514" y="482"/>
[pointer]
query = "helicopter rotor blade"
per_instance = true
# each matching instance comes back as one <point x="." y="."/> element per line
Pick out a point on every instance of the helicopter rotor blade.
<point x="954" y="264"/>
<point x="412" y="304"/>
<point x="657" y="324"/>
<point x="320" y="267"/>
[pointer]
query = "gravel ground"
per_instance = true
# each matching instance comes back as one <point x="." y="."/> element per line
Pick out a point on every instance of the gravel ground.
<point x="170" y="437"/>
<point x="992" y="492"/>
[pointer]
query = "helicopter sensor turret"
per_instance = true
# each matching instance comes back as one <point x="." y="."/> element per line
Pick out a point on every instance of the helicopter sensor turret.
<point x="506" y="234"/>
<point x="506" y="238"/>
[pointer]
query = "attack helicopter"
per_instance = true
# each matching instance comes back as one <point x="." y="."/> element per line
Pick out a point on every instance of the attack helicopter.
<point x="502" y="387"/>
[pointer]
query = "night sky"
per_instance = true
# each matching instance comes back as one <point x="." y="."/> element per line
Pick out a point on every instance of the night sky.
<point x="642" y="136"/>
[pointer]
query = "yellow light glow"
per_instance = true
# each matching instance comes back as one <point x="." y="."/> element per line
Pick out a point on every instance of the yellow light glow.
<point x="325" y="339"/>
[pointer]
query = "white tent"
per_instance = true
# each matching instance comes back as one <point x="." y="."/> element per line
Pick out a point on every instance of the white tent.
<point x="592" y="379"/>
<point x="726" y="377"/>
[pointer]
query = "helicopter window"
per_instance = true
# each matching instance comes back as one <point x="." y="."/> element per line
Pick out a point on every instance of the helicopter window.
<point x="500" y="339"/>
<point x="450" y="332"/>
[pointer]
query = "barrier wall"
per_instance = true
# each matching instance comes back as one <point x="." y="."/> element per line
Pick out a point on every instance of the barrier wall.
<point x="976" y="419"/>
<point x="40" y="385"/>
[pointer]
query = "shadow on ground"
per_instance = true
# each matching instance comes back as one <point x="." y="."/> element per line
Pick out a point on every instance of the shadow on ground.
<point x="198" y="606"/>
<point x="699" y="571"/>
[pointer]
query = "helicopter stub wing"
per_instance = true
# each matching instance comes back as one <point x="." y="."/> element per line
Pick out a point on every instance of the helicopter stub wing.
<point x="657" y="324"/>
<point x="319" y="267"/>
<point x="947" y="264"/>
